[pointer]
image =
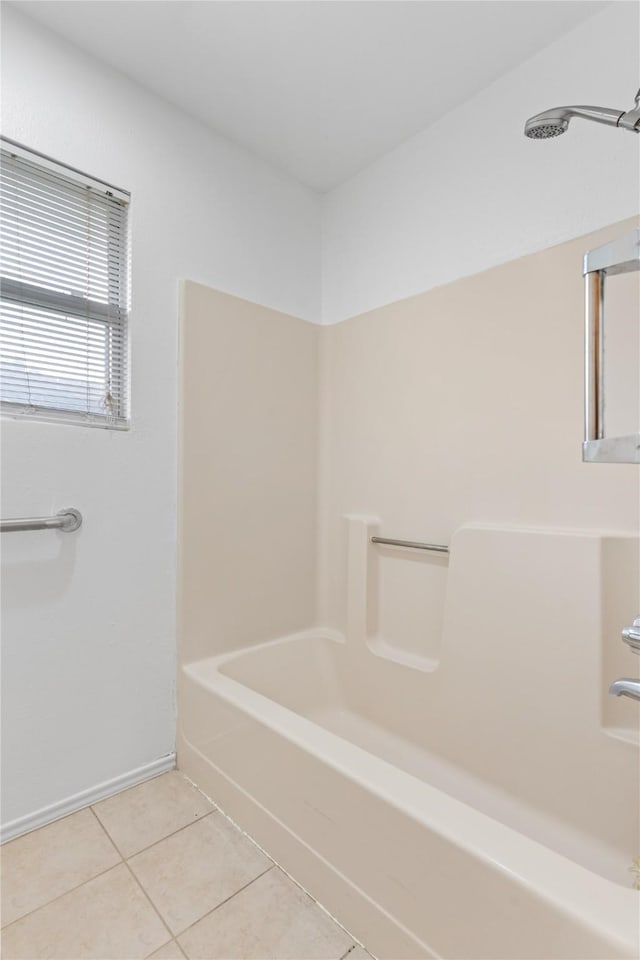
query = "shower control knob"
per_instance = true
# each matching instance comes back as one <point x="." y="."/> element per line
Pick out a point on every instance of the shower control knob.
<point x="631" y="635"/>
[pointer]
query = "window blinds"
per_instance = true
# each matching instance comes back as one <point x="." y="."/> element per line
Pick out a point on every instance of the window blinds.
<point x="63" y="293"/>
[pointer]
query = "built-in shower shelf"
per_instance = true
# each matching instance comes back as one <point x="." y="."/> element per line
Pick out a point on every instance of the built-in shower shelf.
<point x="405" y="658"/>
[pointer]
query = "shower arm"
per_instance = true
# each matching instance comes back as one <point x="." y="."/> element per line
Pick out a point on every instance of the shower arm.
<point x="627" y="119"/>
<point x="631" y="119"/>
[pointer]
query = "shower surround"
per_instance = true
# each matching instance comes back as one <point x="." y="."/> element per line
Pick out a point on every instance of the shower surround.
<point x="425" y="743"/>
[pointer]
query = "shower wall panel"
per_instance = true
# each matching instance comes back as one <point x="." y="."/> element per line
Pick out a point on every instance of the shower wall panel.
<point x="465" y="405"/>
<point x="247" y="512"/>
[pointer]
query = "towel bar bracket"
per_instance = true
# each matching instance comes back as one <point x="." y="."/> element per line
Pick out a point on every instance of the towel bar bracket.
<point x="66" y="520"/>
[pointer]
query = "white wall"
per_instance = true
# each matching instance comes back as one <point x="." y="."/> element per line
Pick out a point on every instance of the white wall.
<point x="471" y="192"/>
<point x="89" y="619"/>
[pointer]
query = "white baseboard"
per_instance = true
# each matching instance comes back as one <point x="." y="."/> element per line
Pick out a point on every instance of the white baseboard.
<point x="84" y="799"/>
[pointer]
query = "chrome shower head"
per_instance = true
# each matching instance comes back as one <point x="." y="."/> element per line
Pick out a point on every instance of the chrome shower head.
<point x="543" y="129"/>
<point x="553" y="122"/>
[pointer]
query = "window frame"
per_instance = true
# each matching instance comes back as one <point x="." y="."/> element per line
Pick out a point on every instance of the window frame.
<point x="55" y="301"/>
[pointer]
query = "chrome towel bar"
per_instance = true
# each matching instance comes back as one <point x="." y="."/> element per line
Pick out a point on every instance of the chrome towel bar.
<point x="66" y="520"/>
<point x="414" y="544"/>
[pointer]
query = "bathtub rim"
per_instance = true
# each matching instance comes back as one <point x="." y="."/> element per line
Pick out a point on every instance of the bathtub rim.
<point x="589" y="899"/>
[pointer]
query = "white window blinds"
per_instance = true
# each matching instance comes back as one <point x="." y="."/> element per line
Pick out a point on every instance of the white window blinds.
<point x="63" y="293"/>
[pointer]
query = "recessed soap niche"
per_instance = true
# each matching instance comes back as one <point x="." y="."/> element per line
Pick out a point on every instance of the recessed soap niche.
<point x="396" y="597"/>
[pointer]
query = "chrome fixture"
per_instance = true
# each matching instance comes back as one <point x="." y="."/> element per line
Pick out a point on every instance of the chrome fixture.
<point x="413" y="544"/>
<point x="551" y="123"/>
<point x="66" y="520"/>
<point x="631" y="635"/>
<point x="626" y="687"/>
<point x="619" y="256"/>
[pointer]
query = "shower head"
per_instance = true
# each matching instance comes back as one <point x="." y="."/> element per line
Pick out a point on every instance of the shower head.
<point x="543" y="127"/>
<point x="553" y="122"/>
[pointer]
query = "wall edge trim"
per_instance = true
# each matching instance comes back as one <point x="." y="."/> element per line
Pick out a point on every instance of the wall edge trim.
<point x="77" y="801"/>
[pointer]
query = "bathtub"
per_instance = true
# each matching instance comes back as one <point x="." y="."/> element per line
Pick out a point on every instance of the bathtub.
<point x="414" y="853"/>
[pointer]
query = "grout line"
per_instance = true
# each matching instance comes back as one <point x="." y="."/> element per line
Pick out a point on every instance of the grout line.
<point x="139" y="883"/>
<point x="153" y="906"/>
<point x="178" y="947"/>
<point x="155" y="842"/>
<point x="78" y="886"/>
<point x="162" y="839"/>
<point x="101" y="873"/>
<point x="222" y="902"/>
<point x="174" y="936"/>
<point x="135" y="879"/>
<point x="350" y="950"/>
<point x="357" y="942"/>
<point x="123" y="860"/>
<point x="106" y="833"/>
<point x="233" y="823"/>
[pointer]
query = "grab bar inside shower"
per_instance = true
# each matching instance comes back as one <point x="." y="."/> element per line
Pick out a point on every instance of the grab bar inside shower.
<point x="66" y="520"/>
<point x="412" y="544"/>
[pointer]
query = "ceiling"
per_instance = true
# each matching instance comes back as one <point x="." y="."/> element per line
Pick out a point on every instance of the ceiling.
<point x="320" y="89"/>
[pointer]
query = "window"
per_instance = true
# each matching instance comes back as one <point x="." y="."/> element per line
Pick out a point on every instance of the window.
<point x="63" y="293"/>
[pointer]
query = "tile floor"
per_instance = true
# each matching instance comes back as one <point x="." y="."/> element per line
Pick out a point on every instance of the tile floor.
<point x="157" y="872"/>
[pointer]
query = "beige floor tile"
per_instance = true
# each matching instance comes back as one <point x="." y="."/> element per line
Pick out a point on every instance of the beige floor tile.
<point x="191" y="872"/>
<point x="108" y="918"/>
<point x="151" y="811"/>
<point x="271" y="918"/>
<point x="170" y="951"/>
<point x="48" y="862"/>
<point x="358" y="954"/>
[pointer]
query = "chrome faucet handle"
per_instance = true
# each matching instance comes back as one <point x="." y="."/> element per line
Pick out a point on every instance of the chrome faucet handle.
<point x="625" y="687"/>
<point x="631" y="635"/>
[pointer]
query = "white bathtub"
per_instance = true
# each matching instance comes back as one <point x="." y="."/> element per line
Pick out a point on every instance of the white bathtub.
<point x="415" y="855"/>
